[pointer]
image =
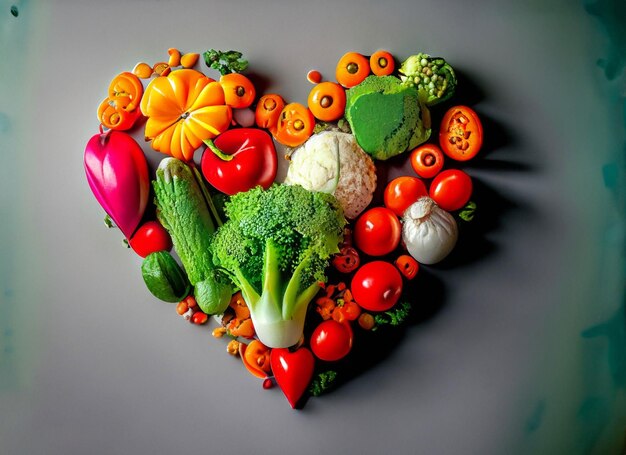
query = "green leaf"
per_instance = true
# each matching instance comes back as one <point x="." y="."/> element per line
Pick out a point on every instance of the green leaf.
<point x="467" y="213"/>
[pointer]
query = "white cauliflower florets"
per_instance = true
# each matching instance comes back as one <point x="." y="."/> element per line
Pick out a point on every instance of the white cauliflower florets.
<point x="333" y="162"/>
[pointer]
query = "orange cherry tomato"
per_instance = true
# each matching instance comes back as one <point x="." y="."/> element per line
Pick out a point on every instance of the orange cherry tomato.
<point x="382" y="63"/>
<point x="126" y="85"/>
<point x="239" y="91"/>
<point x="461" y="133"/>
<point x="268" y="111"/>
<point x="295" y="125"/>
<point x="407" y="265"/>
<point x="327" y="101"/>
<point x="427" y="160"/>
<point x="351" y="69"/>
<point x="115" y="117"/>
<point x="403" y="191"/>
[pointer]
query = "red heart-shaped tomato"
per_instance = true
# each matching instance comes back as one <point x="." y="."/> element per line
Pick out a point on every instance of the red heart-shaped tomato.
<point x="293" y="371"/>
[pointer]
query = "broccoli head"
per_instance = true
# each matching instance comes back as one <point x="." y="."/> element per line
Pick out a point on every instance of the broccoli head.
<point x="276" y="245"/>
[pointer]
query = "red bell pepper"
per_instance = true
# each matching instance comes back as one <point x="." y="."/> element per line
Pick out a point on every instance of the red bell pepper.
<point x="240" y="159"/>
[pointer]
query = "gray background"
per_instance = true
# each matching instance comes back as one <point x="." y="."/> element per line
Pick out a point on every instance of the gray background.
<point x="92" y="363"/>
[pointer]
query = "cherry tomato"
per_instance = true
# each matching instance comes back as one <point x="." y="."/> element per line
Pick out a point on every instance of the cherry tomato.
<point x="331" y="340"/>
<point x="427" y="160"/>
<point x="347" y="260"/>
<point x="401" y="192"/>
<point x="407" y="265"/>
<point x="376" y="286"/>
<point x="461" y="133"/>
<point x="150" y="237"/>
<point x="451" y="189"/>
<point x="327" y="101"/>
<point x="377" y="231"/>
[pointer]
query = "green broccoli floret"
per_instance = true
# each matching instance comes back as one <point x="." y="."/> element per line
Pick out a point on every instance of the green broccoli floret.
<point x="386" y="116"/>
<point x="323" y="382"/>
<point x="275" y="246"/>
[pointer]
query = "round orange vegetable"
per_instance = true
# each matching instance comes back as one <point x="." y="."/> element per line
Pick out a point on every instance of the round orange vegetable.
<point x="427" y="160"/>
<point x="351" y="69"/>
<point x="184" y="108"/>
<point x="327" y="101"/>
<point x="295" y="125"/>
<point x="382" y="63"/>
<point x="238" y="90"/>
<point x="127" y="86"/>
<point x="268" y="110"/>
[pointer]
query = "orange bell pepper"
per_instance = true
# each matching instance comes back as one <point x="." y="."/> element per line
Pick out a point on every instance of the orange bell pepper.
<point x="184" y="109"/>
<point x="295" y="125"/>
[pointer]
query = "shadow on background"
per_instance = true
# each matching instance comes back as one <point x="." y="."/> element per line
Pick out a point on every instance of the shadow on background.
<point x="372" y="348"/>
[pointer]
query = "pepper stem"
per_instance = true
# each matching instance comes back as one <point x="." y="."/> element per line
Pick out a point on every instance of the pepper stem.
<point x="215" y="149"/>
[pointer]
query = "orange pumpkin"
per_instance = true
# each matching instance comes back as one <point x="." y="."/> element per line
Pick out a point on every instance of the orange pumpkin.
<point x="184" y="109"/>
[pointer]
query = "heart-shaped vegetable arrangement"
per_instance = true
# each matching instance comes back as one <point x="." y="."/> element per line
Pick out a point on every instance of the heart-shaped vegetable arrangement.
<point x="296" y="272"/>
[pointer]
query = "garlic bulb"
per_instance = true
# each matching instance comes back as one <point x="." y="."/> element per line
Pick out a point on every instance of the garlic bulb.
<point x="429" y="232"/>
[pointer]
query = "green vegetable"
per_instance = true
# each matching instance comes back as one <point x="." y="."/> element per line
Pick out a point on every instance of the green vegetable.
<point x="225" y="61"/>
<point x="386" y="117"/>
<point x="395" y="316"/>
<point x="164" y="278"/>
<point x="276" y="246"/>
<point x="322" y="383"/>
<point x="467" y="213"/>
<point x="185" y="209"/>
<point x="433" y="77"/>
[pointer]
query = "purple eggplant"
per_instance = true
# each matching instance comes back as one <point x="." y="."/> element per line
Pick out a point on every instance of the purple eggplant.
<point x="117" y="172"/>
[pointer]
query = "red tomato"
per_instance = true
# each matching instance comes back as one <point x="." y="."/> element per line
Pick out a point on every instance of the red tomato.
<point x="401" y="192"/>
<point x="427" y="160"/>
<point x="461" y="133"/>
<point x="377" y="231"/>
<point x="451" y="189"/>
<point x="331" y="340"/>
<point x="376" y="286"/>
<point x="150" y="238"/>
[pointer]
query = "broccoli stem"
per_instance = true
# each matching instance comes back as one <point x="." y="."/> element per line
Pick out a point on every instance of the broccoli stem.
<point x="278" y="314"/>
